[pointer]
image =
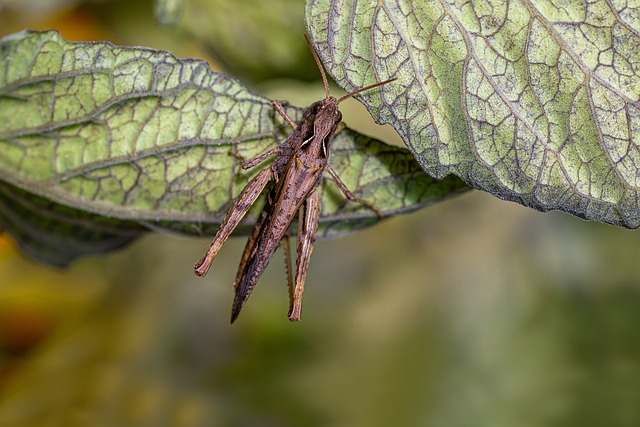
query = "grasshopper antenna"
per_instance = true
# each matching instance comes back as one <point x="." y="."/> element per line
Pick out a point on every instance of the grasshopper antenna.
<point x="315" y="56"/>
<point x="349" y="95"/>
<point x="326" y="83"/>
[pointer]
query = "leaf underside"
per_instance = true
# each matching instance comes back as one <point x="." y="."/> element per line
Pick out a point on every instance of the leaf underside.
<point x="99" y="144"/>
<point x="534" y="102"/>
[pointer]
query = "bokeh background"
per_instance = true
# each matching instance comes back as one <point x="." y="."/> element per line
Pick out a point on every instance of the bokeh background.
<point x="474" y="312"/>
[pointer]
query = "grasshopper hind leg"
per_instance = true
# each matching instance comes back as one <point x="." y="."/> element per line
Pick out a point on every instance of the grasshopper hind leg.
<point x="307" y="228"/>
<point x="240" y="207"/>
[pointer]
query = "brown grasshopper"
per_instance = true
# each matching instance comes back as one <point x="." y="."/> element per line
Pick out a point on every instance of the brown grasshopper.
<point x="296" y="170"/>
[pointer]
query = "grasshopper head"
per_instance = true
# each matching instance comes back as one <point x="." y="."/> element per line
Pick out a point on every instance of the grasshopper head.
<point x="325" y="116"/>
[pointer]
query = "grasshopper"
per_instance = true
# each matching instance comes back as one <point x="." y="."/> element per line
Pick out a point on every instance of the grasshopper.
<point x="299" y="163"/>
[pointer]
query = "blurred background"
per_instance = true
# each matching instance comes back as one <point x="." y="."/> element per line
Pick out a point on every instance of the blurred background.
<point x="474" y="312"/>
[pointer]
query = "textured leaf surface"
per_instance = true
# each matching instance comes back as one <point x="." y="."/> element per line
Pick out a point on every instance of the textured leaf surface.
<point x="100" y="142"/>
<point x="535" y="102"/>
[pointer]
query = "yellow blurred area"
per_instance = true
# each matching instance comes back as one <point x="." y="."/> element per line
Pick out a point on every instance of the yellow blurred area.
<point x="473" y="312"/>
<point x="32" y="306"/>
<point x="74" y="23"/>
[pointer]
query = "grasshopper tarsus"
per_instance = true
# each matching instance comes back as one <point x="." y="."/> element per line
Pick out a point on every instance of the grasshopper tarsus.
<point x="298" y="166"/>
<point x="200" y="268"/>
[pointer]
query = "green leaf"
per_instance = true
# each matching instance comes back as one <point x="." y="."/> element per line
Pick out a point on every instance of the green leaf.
<point x="100" y="143"/>
<point x="535" y="102"/>
<point x="252" y="39"/>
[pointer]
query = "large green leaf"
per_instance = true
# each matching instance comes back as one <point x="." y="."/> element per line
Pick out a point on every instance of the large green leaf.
<point x="535" y="102"/>
<point x="99" y="143"/>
